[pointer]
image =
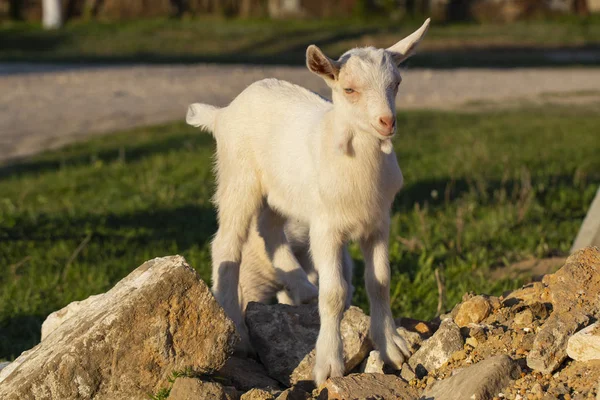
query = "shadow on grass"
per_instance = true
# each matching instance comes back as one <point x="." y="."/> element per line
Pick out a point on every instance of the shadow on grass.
<point x="186" y="225"/>
<point x="19" y="333"/>
<point x="86" y="154"/>
<point x="493" y="57"/>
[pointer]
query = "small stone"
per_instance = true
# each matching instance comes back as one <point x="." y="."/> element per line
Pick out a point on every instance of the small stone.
<point x="438" y="349"/>
<point x="367" y="386"/>
<point x="374" y="363"/>
<point x="414" y="325"/>
<point x="559" y="389"/>
<point x="474" y="310"/>
<point x="537" y="389"/>
<point x="478" y="333"/>
<point x="459" y="355"/>
<point x="423" y="329"/>
<point x="294" y="393"/>
<point x="407" y="373"/>
<point x="523" y="319"/>
<point x="479" y="381"/>
<point x="257" y="394"/>
<point x="495" y="302"/>
<point x="471" y="341"/>
<point x="585" y="344"/>
<point x="195" y="389"/>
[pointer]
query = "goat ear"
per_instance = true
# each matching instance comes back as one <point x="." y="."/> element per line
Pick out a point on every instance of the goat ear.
<point x="406" y="47"/>
<point x="320" y="64"/>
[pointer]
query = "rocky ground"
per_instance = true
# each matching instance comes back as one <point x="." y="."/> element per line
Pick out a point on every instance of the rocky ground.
<point x="160" y="332"/>
<point x="47" y="106"/>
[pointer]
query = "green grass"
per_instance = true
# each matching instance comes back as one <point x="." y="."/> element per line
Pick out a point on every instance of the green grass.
<point x="285" y="42"/>
<point x="482" y="190"/>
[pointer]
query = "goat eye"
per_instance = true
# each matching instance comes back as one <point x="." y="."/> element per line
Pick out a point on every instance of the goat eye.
<point x="349" y="90"/>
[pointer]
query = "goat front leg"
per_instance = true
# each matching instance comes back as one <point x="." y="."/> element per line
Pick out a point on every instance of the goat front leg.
<point x="326" y="248"/>
<point x="393" y="347"/>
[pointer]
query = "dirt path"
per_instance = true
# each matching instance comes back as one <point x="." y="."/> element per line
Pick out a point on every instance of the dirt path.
<point x="45" y="107"/>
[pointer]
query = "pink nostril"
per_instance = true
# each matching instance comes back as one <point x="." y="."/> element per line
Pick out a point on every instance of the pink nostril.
<point x="387" y="121"/>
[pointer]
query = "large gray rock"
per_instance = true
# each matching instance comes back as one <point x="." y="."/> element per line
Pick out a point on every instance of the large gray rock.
<point x="195" y="389"/>
<point x="473" y="310"/>
<point x="367" y="387"/>
<point x="125" y="344"/>
<point x="482" y="381"/>
<point x="585" y="344"/>
<point x="284" y="338"/>
<point x="438" y="349"/>
<point x="282" y="335"/>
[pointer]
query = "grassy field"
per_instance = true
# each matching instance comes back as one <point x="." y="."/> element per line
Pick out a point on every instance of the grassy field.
<point x="284" y="42"/>
<point x="482" y="190"/>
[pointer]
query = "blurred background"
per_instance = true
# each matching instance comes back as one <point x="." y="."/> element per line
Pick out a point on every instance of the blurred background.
<point x="499" y="136"/>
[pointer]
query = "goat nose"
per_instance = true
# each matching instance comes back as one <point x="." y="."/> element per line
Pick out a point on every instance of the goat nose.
<point x="387" y="121"/>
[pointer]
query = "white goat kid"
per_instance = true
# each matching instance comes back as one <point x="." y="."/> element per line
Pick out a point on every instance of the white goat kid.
<point x="327" y="164"/>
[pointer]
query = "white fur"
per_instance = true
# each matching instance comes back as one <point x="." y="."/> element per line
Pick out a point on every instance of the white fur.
<point x="327" y="165"/>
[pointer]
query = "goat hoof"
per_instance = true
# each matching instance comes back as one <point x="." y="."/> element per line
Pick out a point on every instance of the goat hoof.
<point x="329" y="368"/>
<point x="395" y="351"/>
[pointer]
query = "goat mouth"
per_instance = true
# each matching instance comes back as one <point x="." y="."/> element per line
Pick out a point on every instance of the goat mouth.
<point x="384" y="134"/>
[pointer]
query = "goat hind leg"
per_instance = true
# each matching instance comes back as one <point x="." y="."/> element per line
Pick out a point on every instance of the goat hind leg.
<point x="237" y="204"/>
<point x="287" y="268"/>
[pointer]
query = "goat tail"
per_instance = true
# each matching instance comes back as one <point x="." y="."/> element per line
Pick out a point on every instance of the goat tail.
<point x="202" y="116"/>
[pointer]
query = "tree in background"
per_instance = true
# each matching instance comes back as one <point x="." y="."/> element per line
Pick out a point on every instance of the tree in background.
<point x="52" y="17"/>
